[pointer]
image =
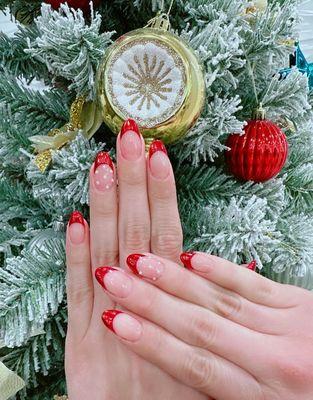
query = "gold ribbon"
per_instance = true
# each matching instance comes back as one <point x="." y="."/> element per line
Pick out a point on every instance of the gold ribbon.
<point x="10" y="383"/>
<point x="83" y="115"/>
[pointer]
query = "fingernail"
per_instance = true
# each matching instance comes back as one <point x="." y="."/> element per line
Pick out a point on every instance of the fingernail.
<point x="103" y="171"/>
<point x="186" y="257"/>
<point x="130" y="140"/>
<point x="130" y="125"/>
<point x="252" y="265"/>
<point x="122" y="324"/>
<point x="114" y="281"/>
<point x="76" y="227"/>
<point x="158" y="160"/>
<point x="196" y="261"/>
<point x="145" y="266"/>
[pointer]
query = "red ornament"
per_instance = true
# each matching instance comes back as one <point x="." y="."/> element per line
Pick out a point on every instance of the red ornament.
<point x="82" y="4"/>
<point x="259" y="154"/>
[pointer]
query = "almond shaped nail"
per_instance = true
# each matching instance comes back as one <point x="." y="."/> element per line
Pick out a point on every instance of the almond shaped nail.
<point x="101" y="272"/>
<point x="186" y="257"/>
<point x="108" y="318"/>
<point x="130" y="125"/>
<point x="157" y="145"/>
<point x="76" y="217"/>
<point x="132" y="260"/>
<point x="252" y="266"/>
<point x="103" y="158"/>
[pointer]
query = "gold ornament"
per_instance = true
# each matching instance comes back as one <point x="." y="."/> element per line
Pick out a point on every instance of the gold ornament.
<point x="57" y="397"/>
<point x="84" y="115"/>
<point x="154" y="77"/>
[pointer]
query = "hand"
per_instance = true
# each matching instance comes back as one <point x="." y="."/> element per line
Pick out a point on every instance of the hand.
<point x="221" y="329"/>
<point x="145" y="218"/>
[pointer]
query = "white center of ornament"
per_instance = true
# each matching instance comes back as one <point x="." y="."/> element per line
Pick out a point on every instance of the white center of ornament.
<point x="146" y="81"/>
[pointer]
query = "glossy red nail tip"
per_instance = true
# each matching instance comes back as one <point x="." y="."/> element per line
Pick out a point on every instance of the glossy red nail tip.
<point x="108" y="318"/>
<point x="130" y="125"/>
<point x="157" y="145"/>
<point x="76" y="217"/>
<point x="252" y="265"/>
<point x="101" y="272"/>
<point x="186" y="257"/>
<point x="132" y="260"/>
<point x="103" y="158"/>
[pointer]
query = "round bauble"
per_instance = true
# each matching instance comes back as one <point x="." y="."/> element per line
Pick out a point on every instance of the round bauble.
<point x="259" y="154"/>
<point x="155" y="78"/>
<point x="82" y="4"/>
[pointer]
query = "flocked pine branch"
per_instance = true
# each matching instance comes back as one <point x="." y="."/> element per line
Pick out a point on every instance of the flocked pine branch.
<point x="69" y="47"/>
<point x="31" y="288"/>
<point x="66" y="183"/>
<point x="40" y="111"/>
<point x="238" y="231"/>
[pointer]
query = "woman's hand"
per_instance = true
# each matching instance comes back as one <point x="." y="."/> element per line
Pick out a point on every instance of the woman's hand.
<point x="142" y="217"/>
<point x="221" y="329"/>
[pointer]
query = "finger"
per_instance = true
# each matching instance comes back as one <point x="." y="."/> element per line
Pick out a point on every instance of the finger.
<point x="103" y="219"/>
<point x="79" y="276"/>
<point x="171" y="278"/>
<point x="188" y="322"/>
<point x="204" y="371"/>
<point x="243" y="281"/>
<point x="166" y="231"/>
<point x="134" y="214"/>
<point x="103" y="212"/>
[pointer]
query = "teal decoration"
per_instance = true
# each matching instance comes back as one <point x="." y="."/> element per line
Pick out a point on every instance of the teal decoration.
<point x="298" y="60"/>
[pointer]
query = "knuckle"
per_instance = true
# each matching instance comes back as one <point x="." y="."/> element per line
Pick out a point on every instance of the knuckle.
<point x="136" y="236"/>
<point x="295" y="371"/>
<point x="197" y="370"/>
<point x="101" y="256"/>
<point x="78" y="293"/>
<point x="203" y="332"/>
<point x="168" y="242"/>
<point x="229" y="305"/>
<point x="101" y="209"/>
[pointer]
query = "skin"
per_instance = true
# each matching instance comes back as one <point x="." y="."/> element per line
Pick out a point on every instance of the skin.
<point x="216" y="331"/>
<point x="144" y="218"/>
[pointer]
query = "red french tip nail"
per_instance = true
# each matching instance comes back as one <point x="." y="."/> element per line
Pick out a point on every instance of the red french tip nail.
<point x="76" y="217"/>
<point x="108" y="317"/>
<point x="252" y="265"/>
<point x="130" y="125"/>
<point x="186" y="257"/>
<point x="101" y="272"/>
<point x="157" y="145"/>
<point x="132" y="260"/>
<point x="103" y="158"/>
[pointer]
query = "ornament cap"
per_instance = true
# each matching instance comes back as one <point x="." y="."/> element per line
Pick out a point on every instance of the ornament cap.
<point x="259" y="113"/>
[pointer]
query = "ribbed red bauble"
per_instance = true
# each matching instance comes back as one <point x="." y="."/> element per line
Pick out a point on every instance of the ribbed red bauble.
<point x="260" y="153"/>
<point x="82" y="4"/>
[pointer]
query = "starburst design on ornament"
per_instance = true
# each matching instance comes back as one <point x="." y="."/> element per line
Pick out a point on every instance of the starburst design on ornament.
<point x="147" y="81"/>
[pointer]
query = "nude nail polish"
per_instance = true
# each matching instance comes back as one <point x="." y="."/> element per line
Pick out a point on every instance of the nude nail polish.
<point x="108" y="317"/>
<point x="122" y="324"/>
<point x="186" y="257"/>
<point x="252" y="266"/>
<point x="76" y="228"/>
<point x="145" y="266"/>
<point x="130" y="141"/>
<point x="103" y="171"/>
<point x="101" y="272"/>
<point x="114" y="280"/>
<point x="159" y="162"/>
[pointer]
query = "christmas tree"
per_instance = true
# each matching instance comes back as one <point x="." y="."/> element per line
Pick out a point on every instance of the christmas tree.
<point x="50" y="137"/>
